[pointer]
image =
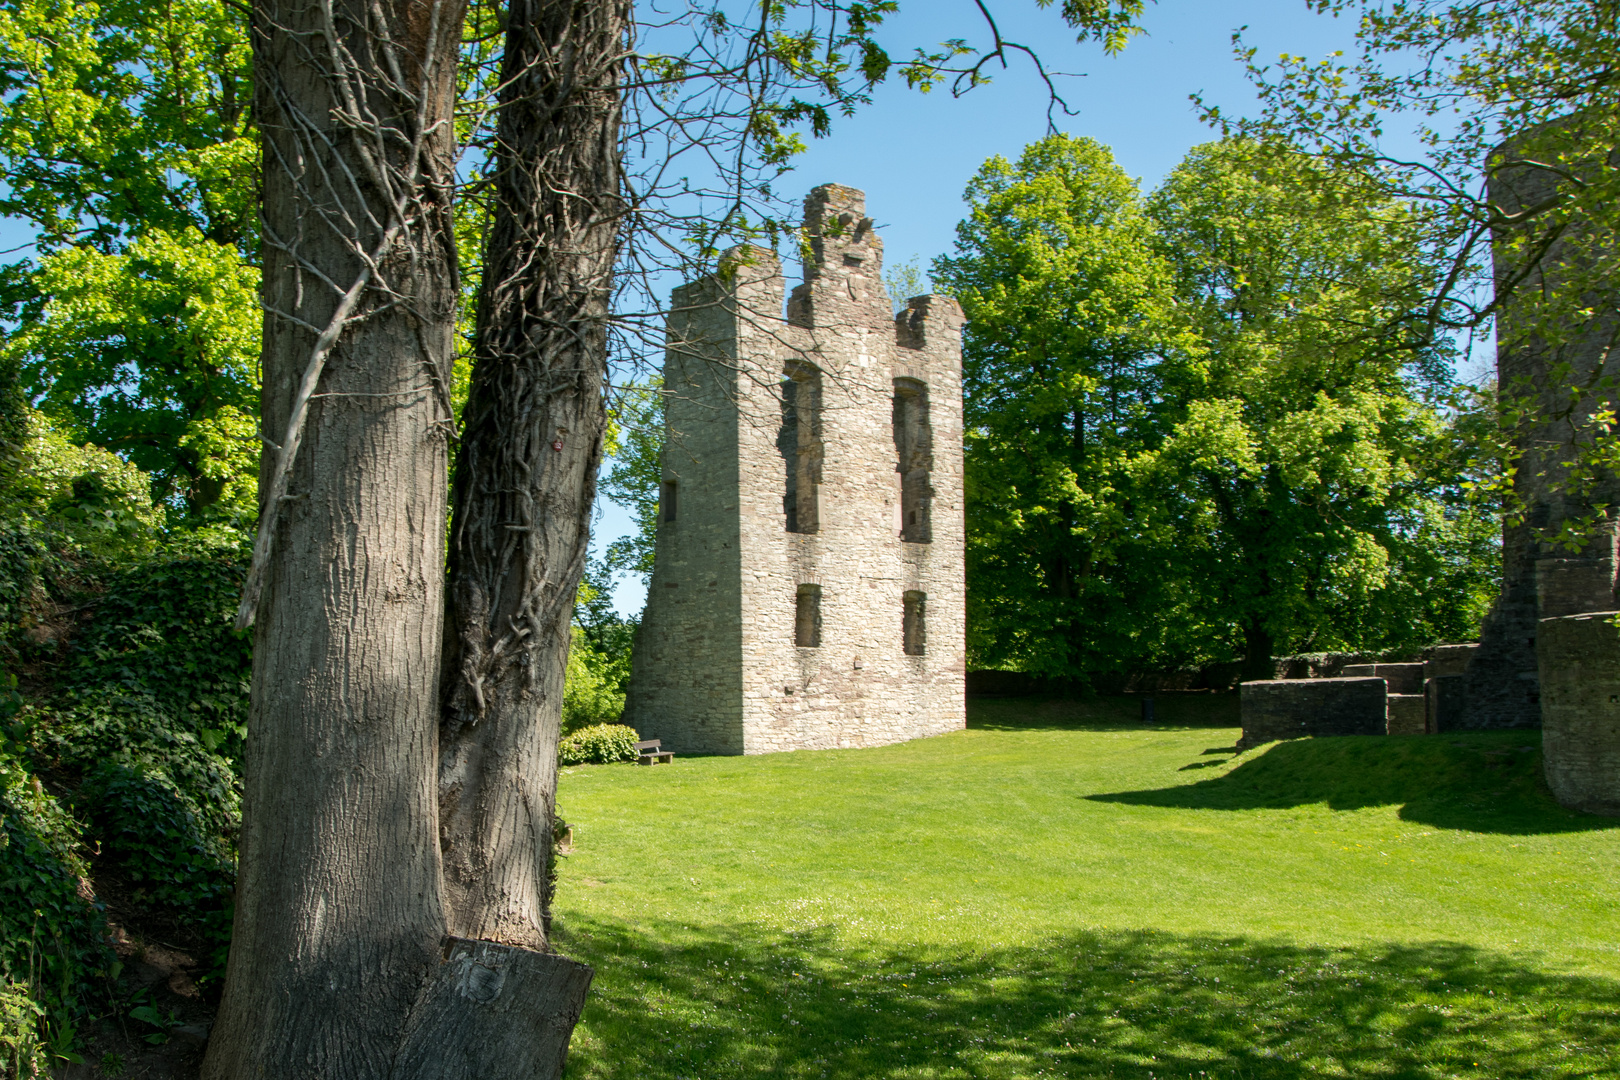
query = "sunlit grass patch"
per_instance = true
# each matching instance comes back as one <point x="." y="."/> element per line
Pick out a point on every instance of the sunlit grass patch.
<point x="1071" y="899"/>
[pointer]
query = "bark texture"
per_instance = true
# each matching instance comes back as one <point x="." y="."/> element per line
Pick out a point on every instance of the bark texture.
<point x="525" y="476"/>
<point x="339" y="915"/>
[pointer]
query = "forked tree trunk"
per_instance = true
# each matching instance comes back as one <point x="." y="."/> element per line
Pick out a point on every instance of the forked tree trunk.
<point x="341" y="967"/>
<point x="339" y="913"/>
<point x="525" y="476"/>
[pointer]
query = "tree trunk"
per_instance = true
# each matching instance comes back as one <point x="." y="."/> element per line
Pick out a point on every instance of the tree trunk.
<point x="1257" y="651"/>
<point x="339" y="914"/>
<point x="525" y="477"/>
<point x="493" y="1012"/>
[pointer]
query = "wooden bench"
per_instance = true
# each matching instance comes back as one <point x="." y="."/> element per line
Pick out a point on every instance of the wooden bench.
<point x="652" y="752"/>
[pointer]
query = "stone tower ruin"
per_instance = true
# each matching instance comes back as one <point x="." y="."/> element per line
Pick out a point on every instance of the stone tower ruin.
<point x="1539" y="578"/>
<point x="807" y="588"/>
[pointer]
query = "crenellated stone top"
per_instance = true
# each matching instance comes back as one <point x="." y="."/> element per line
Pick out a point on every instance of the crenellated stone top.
<point x="843" y="286"/>
<point x="840" y="234"/>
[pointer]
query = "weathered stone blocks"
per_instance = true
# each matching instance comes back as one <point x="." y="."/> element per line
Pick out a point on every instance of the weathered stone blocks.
<point x="1549" y="382"/>
<point x="1448" y="660"/>
<point x="1300" y="708"/>
<point x="1580" y="703"/>
<point x="1574" y="586"/>
<point x="1407" y="714"/>
<point x="1445" y="703"/>
<point x="1402" y="678"/>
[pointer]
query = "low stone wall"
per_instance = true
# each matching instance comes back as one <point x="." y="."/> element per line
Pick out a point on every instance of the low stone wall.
<point x="1301" y="708"/>
<point x="1217" y="678"/>
<point x="1402" y="678"/>
<point x="1407" y="714"/>
<point x="1579" y="656"/>
<point x="1447" y="660"/>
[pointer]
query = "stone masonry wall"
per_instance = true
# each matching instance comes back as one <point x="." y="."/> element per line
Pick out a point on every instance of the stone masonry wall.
<point x="1300" y="708"/>
<point x="686" y="669"/>
<point x="807" y="497"/>
<point x="1500" y="686"/>
<point x="1580" y="670"/>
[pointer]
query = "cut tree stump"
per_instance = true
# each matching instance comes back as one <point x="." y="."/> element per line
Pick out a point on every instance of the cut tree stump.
<point x="493" y="1011"/>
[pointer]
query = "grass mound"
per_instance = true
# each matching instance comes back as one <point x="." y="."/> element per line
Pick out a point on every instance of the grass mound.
<point x="1488" y="782"/>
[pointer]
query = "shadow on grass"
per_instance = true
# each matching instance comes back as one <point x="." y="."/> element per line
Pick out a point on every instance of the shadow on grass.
<point x="1171" y="709"/>
<point x="676" y="1001"/>
<point x="1482" y="782"/>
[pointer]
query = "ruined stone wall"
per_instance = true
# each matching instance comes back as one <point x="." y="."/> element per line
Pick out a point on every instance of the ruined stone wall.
<point x="839" y="538"/>
<point x="686" y="677"/>
<point x="1535" y="376"/>
<point x="1311" y="708"/>
<point x="1580" y="666"/>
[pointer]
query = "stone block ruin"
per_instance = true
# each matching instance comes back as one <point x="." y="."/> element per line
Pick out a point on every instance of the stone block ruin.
<point x="1580" y="710"/>
<point x="808" y="579"/>
<point x="1416" y="698"/>
<point x="1301" y="708"/>
<point x="1549" y="651"/>
<point x="1501" y="686"/>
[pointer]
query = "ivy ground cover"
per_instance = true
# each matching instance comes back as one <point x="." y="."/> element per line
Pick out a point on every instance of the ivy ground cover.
<point x="1060" y="891"/>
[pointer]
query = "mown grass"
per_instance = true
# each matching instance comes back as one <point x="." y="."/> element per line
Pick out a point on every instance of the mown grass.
<point x="1061" y="892"/>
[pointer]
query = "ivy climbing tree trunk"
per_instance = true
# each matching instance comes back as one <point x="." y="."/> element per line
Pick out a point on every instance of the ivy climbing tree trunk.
<point x="339" y="913"/>
<point x="525" y="476"/>
<point x="342" y="964"/>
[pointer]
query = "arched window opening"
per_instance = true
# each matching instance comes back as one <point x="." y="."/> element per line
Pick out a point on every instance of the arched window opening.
<point x="914" y="460"/>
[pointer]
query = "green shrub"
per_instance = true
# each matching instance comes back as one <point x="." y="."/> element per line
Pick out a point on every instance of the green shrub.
<point x="138" y="711"/>
<point x="600" y="744"/>
<point x="21" y="1050"/>
<point x="162" y="632"/>
<point x="150" y="714"/>
<point x="170" y="846"/>
<point x="52" y="940"/>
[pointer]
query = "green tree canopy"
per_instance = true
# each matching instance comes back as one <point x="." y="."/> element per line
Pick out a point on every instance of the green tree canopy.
<point x="126" y="142"/>
<point x="1066" y="300"/>
<point x="121" y="117"/>
<point x="1205" y="427"/>
<point x="1313" y="464"/>
<point x="1504" y="136"/>
<point x="153" y="353"/>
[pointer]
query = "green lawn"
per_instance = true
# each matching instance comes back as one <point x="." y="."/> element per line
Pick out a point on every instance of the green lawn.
<point x="1060" y="892"/>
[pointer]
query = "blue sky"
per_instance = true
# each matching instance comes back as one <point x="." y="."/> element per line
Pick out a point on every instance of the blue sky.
<point x="913" y="154"/>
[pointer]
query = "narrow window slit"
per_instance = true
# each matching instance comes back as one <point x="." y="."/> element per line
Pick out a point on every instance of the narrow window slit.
<point x="915" y="623"/>
<point x="914" y="461"/>
<point x="799" y="441"/>
<point x="807" y="617"/>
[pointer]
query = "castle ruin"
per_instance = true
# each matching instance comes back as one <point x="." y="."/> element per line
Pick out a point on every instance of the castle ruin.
<point x="1555" y="385"/>
<point x="807" y="588"/>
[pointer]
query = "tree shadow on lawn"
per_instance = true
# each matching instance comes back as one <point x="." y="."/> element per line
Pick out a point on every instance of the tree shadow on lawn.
<point x="1479" y="781"/>
<point x="674" y="1000"/>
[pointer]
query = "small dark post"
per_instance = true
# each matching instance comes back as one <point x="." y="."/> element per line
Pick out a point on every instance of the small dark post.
<point x="1147" y="710"/>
